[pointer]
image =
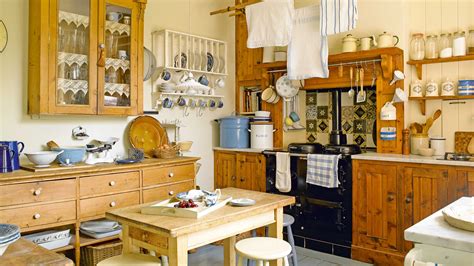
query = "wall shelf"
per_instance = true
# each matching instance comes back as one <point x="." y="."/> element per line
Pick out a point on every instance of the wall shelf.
<point x="422" y="100"/>
<point x="419" y="63"/>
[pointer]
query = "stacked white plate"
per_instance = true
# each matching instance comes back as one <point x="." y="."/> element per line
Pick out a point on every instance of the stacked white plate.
<point x="51" y="239"/>
<point x="243" y="202"/>
<point x="100" y="228"/>
<point x="9" y="233"/>
<point x="167" y="87"/>
<point x="466" y="87"/>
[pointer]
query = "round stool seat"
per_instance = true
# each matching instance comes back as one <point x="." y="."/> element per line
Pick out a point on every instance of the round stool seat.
<point x="131" y="259"/>
<point x="288" y="220"/>
<point x="263" y="248"/>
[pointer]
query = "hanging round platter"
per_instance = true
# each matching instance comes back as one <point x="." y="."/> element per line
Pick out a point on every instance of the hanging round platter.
<point x="146" y="133"/>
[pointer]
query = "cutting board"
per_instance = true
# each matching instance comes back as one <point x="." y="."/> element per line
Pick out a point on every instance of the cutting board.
<point x="461" y="140"/>
<point x="166" y="208"/>
<point x="54" y="167"/>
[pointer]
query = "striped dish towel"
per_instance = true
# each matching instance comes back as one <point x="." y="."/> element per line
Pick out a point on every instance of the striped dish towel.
<point x="338" y="16"/>
<point x="322" y="170"/>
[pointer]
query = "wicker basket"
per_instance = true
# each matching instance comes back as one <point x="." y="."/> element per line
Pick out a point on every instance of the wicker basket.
<point x="166" y="153"/>
<point x="91" y="255"/>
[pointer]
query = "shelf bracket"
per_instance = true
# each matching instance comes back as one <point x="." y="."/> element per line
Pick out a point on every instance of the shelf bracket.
<point x="422" y="106"/>
<point x="387" y="66"/>
<point x="419" y="71"/>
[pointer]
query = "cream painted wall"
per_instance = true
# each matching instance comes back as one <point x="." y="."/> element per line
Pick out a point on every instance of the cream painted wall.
<point x="404" y="17"/>
<point x="182" y="15"/>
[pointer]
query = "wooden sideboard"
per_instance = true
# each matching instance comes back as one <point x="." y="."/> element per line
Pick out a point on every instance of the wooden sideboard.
<point x="389" y="197"/>
<point x="49" y="199"/>
<point x="244" y="170"/>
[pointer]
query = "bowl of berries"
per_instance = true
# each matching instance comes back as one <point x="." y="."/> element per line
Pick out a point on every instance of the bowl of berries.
<point x="186" y="204"/>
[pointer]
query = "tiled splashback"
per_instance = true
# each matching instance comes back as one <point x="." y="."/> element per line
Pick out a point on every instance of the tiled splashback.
<point x="357" y="119"/>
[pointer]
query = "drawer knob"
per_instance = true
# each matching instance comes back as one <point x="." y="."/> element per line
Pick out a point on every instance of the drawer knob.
<point x="112" y="183"/>
<point x="112" y="204"/>
<point x="171" y="193"/>
<point x="37" y="192"/>
<point x="171" y="174"/>
<point x="36" y="216"/>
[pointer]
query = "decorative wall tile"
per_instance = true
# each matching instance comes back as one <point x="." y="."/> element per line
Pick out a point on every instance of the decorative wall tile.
<point x="347" y="126"/>
<point x="347" y="113"/>
<point x="311" y="112"/>
<point x="360" y="139"/>
<point x="323" y="138"/>
<point x="311" y="125"/>
<point x="310" y="137"/>
<point x="371" y="97"/>
<point x="323" y="98"/>
<point x="360" y="112"/>
<point x="370" y="125"/>
<point x="311" y="98"/>
<point x="322" y="112"/>
<point x="371" y="111"/>
<point x="323" y="126"/>
<point x="360" y="126"/>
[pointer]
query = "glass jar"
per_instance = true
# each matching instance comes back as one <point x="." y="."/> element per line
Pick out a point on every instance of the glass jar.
<point x="459" y="44"/>
<point x="470" y="42"/>
<point x="445" y="49"/>
<point x="431" y="47"/>
<point x="417" y="47"/>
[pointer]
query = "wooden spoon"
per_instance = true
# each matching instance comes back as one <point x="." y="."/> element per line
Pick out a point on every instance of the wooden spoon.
<point x="419" y="127"/>
<point x="51" y="144"/>
<point x="413" y="129"/>
<point x="436" y="114"/>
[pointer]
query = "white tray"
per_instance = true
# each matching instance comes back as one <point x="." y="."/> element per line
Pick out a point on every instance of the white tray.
<point x="166" y="208"/>
<point x="56" y="243"/>
<point x="48" y="236"/>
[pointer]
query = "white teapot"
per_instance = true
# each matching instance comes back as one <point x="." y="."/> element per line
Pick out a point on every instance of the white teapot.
<point x="386" y="40"/>
<point x="349" y="43"/>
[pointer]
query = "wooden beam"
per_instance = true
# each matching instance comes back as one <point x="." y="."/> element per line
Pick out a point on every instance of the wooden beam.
<point x="236" y="7"/>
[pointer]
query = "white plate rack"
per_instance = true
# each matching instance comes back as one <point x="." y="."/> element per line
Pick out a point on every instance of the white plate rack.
<point x="201" y="102"/>
<point x="185" y="52"/>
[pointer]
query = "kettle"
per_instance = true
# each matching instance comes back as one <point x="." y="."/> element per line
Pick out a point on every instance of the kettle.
<point x="349" y="43"/>
<point x="386" y="40"/>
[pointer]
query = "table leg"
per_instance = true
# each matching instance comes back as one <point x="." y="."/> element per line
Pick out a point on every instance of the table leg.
<point x="178" y="251"/>
<point x="276" y="230"/>
<point x="229" y="251"/>
<point x="126" y="241"/>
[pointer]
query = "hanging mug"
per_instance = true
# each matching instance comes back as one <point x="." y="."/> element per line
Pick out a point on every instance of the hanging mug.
<point x="165" y="75"/>
<point x="220" y="104"/>
<point x="203" y="80"/>
<point x="220" y="83"/>
<point x="181" y="101"/>
<point x="114" y="16"/>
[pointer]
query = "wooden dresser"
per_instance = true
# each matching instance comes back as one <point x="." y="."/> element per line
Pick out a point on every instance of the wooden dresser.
<point x="65" y="198"/>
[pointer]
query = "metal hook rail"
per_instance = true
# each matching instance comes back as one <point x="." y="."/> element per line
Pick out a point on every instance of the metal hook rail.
<point x="336" y="64"/>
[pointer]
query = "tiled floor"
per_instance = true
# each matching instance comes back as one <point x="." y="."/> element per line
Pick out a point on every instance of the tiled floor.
<point x="213" y="256"/>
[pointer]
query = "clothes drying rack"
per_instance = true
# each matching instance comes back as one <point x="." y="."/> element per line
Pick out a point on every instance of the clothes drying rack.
<point x="239" y="8"/>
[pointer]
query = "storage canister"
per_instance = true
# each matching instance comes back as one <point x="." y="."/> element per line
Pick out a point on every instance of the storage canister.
<point x="234" y="132"/>
<point x="438" y="144"/>
<point x="419" y="141"/>
<point x="261" y="135"/>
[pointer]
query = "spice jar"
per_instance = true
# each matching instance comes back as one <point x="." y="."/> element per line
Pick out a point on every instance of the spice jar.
<point x="445" y="49"/>
<point x="431" y="47"/>
<point x="459" y="44"/>
<point x="470" y="42"/>
<point x="417" y="47"/>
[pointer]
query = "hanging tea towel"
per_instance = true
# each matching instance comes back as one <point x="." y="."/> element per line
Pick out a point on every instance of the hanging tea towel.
<point x="308" y="49"/>
<point x="322" y="170"/>
<point x="338" y="16"/>
<point x="269" y="23"/>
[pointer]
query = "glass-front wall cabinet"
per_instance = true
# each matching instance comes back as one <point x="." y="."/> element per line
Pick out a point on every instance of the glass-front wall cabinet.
<point x="87" y="60"/>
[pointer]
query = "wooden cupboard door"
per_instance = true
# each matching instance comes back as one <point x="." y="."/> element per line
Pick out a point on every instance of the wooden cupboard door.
<point x="463" y="184"/>
<point x="247" y="59"/>
<point x="120" y="37"/>
<point x="72" y="57"/>
<point x="375" y="213"/>
<point x="224" y="170"/>
<point x="251" y="172"/>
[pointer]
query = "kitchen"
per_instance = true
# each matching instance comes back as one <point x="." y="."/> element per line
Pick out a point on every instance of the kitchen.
<point x="405" y="18"/>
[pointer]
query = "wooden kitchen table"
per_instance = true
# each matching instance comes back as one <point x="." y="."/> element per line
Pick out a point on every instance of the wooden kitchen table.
<point x="174" y="236"/>
<point x="24" y="252"/>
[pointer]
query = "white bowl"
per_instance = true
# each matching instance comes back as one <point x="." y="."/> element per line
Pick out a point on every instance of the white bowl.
<point x="262" y="114"/>
<point x="43" y="158"/>
<point x="428" y="152"/>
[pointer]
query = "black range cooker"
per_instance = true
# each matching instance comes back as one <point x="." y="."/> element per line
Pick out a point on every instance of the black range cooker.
<point x="323" y="216"/>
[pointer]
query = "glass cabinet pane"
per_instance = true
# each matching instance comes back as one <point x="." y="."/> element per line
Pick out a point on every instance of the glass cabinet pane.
<point x="117" y="51"/>
<point x="73" y="33"/>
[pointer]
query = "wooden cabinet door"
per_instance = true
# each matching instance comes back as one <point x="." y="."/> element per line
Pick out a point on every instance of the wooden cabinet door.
<point x="251" y="172"/>
<point x="246" y="59"/>
<point x="224" y="169"/>
<point x="376" y="207"/>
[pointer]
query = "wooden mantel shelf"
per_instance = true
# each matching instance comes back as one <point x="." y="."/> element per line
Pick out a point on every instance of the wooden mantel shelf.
<point x="419" y="63"/>
<point x="422" y="100"/>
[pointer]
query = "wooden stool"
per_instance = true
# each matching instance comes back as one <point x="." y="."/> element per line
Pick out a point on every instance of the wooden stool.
<point x="131" y="259"/>
<point x="263" y="249"/>
<point x="288" y="220"/>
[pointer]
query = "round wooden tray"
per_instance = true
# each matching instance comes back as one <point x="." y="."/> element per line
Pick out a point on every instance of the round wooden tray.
<point x="460" y="216"/>
<point x="147" y="133"/>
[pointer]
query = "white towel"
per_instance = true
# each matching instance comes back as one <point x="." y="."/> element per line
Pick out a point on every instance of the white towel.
<point x="338" y="16"/>
<point x="308" y="50"/>
<point x="322" y="170"/>
<point x="269" y="23"/>
<point x="283" y="173"/>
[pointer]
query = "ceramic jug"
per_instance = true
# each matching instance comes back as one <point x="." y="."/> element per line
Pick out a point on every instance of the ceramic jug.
<point x="386" y="40"/>
<point x="349" y="43"/>
<point x="17" y="147"/>
<point x="366" y="43"/>
<point x="6" y="159"/>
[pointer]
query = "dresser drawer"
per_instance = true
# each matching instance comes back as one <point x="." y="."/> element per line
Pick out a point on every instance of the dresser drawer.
<point x="37" y="192"/>
<point x="40" y="215"/>
<point x="98" y="206"/>
<point x="160" y="175"/>
<point x="166" y="191"/>
<point x="102" y="184"/>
